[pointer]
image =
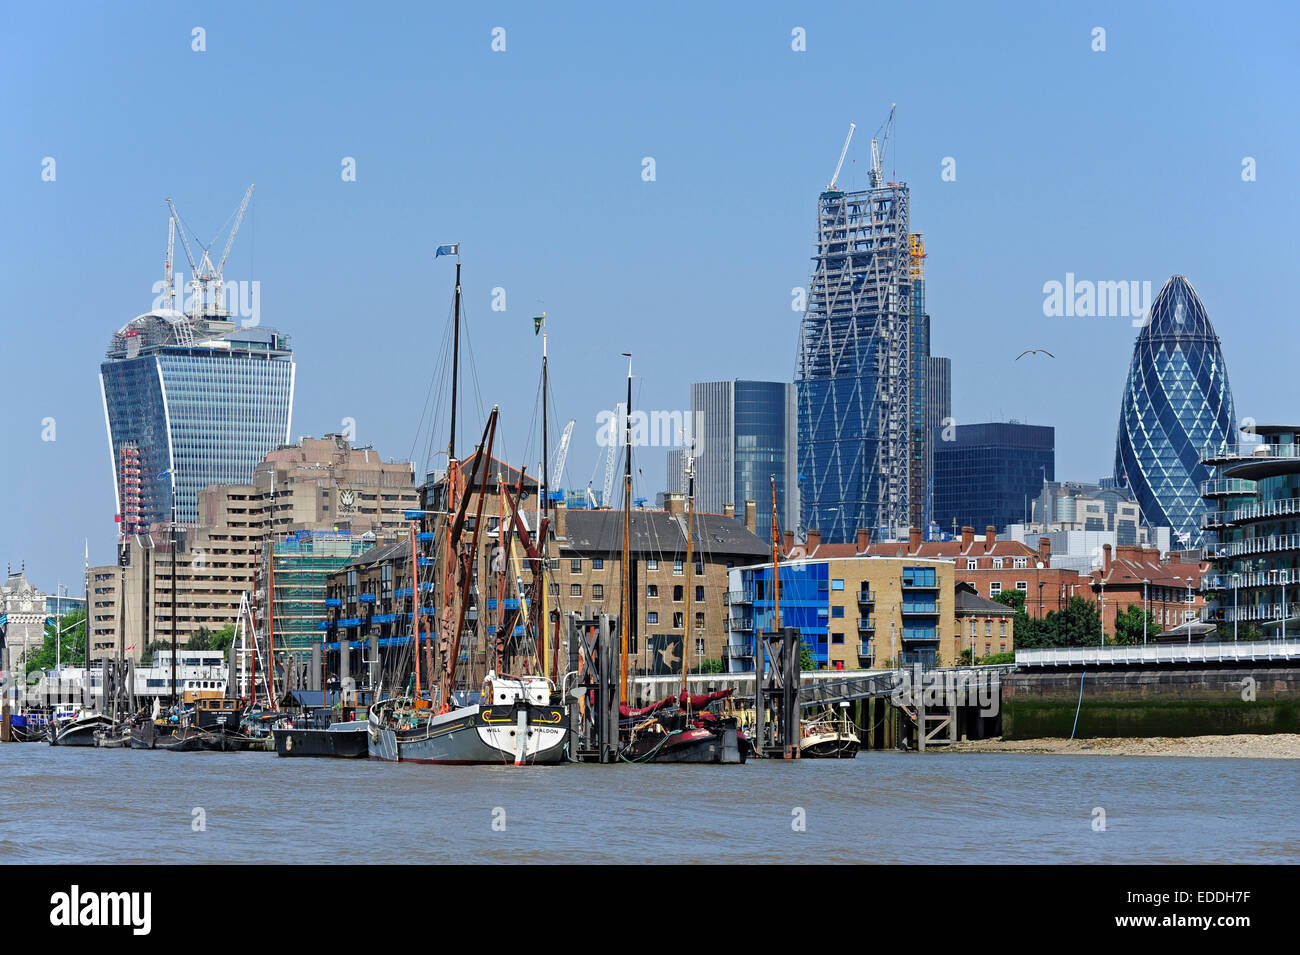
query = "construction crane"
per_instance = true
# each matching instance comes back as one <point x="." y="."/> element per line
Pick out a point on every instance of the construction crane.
<point x="169" y="279"/>
<point x="205" y="273"/>
<point x="561" y="454"/>
<point x="878" y="149"/>
<point x="607" y="495"/>
<point x="843" y="152"/>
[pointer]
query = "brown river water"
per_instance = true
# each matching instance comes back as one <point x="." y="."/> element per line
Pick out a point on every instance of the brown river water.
<point x="130" y="806"/>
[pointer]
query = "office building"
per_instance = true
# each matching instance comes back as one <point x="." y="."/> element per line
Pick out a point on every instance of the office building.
<point x="989" y="473"/>
<point x="1177" y="405"/>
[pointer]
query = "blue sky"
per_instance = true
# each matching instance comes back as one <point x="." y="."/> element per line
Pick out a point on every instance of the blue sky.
<point x="1117" y="165"/>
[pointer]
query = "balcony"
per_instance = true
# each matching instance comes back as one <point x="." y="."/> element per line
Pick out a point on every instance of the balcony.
<point x="742" y="623"/>
<point x="740" y="647"/>
<point x="865" y="651"/>
<point x="1236" y="453"/>
<point x="866" y="596"/>
<point x="921" y="608"/>
<point x="1222" y="487"/>
<point x="740" y="597"/>
<point x="867" y="624"/>
<point x="1224" y="580"/>
<point x="1260" y="545"/>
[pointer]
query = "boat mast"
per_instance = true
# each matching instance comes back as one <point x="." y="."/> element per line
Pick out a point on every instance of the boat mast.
<point x="415" y="607"/>
<point x="626" y="610"/>
<point x="690" y="568"/>
<point x="547" y="660"/>
<point x="453" y="496"/>
<point x="175" y="697"/>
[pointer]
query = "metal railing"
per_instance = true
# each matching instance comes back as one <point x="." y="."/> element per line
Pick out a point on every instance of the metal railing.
<point x="1161" y="653"/>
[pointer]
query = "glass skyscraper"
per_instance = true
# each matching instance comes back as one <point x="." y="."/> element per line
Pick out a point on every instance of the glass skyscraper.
<point x="190" y="401"/>
<point x="1176" y="405"/>
<point x="991" y="473"/>
<point x="856" y="369"/>
<point x="746" y="436"/>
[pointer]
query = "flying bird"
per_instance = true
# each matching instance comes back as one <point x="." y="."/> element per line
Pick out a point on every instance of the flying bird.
<point x="1035" y="351"/>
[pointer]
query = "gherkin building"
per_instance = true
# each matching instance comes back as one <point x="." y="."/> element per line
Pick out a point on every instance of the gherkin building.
<point x="1177" y="403"/>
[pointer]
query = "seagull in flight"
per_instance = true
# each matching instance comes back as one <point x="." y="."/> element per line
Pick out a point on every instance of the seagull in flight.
<point x="1035" y="351"/>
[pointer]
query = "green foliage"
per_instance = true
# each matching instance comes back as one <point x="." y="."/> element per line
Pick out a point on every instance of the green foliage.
<point x="1014" y="599"/>
<point x="1077" y="624"/>
<point x="995" y="658"/>
<point x="71" y="641"/>
<point x="708" y="666"/>
<point x="964" y="658"/>
<point x="1129" y="626"/>
<point x="806" y="661"/>
<point x="205" y="639"/>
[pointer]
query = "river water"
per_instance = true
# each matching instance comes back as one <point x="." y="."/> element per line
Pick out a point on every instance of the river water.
<point x="130" y="806"/>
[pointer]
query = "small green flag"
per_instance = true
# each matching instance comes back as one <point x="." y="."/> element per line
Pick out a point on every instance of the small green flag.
<point x="538" y="322"/>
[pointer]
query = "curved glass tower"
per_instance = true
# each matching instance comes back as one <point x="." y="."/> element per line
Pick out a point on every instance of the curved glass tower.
<point x="1177" y="403"/>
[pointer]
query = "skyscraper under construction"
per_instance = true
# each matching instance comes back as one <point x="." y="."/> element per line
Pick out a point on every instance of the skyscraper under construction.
<point x="857" y="366"/>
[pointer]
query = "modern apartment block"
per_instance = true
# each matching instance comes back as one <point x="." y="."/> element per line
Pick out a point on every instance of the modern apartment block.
<point x="190" y="401"/>
<point x="1177" y="403"/>
<point x="1253" y="525"/>
<point x="989" y="473"/>
<point x="854" y="373"/>
<point x="854" y="612"/>
<point x="746" y="437"/>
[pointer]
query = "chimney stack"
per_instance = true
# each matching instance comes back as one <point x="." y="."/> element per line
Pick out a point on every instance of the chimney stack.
<point x="967" y="538"/>
<point x="914" y="540"/>
<point x="1105" y="558"/>
<point x="675" y="503"/>
<point x="789" y="541"/>
<point x="990" y="537"/>
<point x="751" y="517"/>
<point x="864" y="540"/>
<point x="728" y="510"/>
<point x="561" y="512"/>
<point x="1045" y="551"/>
<point x="814" y="540"/>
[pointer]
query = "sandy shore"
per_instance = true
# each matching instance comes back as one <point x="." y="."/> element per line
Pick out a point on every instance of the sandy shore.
<point x="1279" y="746"/>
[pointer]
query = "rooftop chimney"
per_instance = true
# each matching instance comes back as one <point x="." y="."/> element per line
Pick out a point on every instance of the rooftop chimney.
<point x="914" y="540"/>
<point x="751" y="517"/>
<point x="990" y="537"/>
<point x="675" y="503"/>
<point x="1045" y="551"/>
<point x="789" y="542"/>
<point x="967" y="538"/>
<point x="728" y="510"/>
<point x="561" y="512"/>
<point x="864" y="540"/>
<point x="814" y="540"/>
<point x="1105" y="558"/>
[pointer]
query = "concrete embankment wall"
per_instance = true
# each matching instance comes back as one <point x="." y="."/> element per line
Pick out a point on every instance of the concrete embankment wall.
<point x="1151" y="702"/>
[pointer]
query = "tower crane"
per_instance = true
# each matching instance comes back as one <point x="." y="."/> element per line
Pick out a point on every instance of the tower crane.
<point x="169" y="278"/>
<point x="878" y="149"/>
<point x="205" y="273"/>
<point x="607" y="495"/>
<point x="843" y="152"/>
<point x="562" y="454"/>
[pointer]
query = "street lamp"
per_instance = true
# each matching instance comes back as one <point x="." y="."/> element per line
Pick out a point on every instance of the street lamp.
<point x="1145" y="582"/>
<point x="1236" y="579"/>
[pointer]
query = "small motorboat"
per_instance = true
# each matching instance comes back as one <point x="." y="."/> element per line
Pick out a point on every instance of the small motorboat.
<point x="827" y="737"/>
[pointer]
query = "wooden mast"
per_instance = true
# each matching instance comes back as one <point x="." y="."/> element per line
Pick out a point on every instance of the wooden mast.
<point x="690" y="568"/>
<point x="626" y="623"/>
<point x="548" y="661"/>
<point x="415" y="609"/>
<point x="453" y="499"/>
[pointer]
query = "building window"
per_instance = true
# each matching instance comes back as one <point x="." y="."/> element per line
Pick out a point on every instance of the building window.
<point x="597" y="591"/>
<point x="652" y="617"/>
<point x="699" y="594"/>
<point x="997" y="563"/>
<point x="1002" y="628"/>
<point x="575" y="590"/>
<point x="988" y="628"/>
<point x="652" y="565"/>
<point x="699" y="621"/>
<point x="1021" y="563"/>
<point x="677" y="620"/>
<point x="972" y="628"/>
<point x="995" y="588"/>
<point x="597" y="563"/>
<point x="575" y="565"/>
<point x="837" y="611"/>
<point x="678" y="568"/>
<point x="837" y="585"/>
<point x="837" y="638"/>
<point x="1022" y="585"/>
<point x="652" y="590"/>
<point x="677" y="594"/>
<point x="699" y="648"/>
<point x="972" y="563"/>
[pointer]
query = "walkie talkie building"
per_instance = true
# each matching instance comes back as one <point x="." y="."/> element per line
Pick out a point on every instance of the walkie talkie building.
<point x="1177" y="404"/>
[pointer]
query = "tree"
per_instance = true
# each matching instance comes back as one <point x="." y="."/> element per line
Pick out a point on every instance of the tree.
<point x="1015" y="599"/>
<point x="1077" y="624"/>
<point x="65" y="642"/>
<point x="1129" y="626"/>
<point x="806" y="661"/>
<point x="205" y="639"/>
